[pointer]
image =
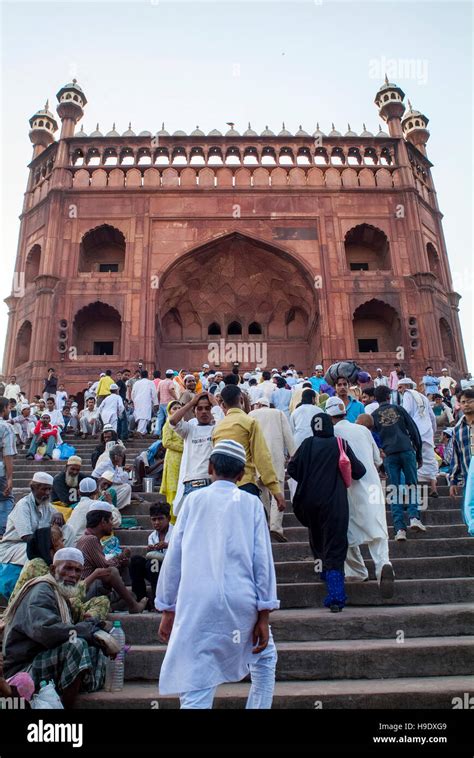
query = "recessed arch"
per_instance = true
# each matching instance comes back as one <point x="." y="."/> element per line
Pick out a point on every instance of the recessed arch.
<point x="23" y="343"/>
<point x="377" y="327"/>
<point x="97" y="330"/>
<point x="234" y="328"/>
<point x="367" y="249"/>
<point x="214" y="328"/>
<point x="102" y="250"/>
<point x="447" y="340"/>
<point x="33" y="262"/>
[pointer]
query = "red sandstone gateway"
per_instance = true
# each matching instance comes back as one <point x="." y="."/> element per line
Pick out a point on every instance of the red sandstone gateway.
<point x="151" y="247"/>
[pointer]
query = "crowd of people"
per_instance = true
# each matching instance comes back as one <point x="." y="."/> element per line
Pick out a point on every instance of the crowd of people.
<point x="345" y="443"/>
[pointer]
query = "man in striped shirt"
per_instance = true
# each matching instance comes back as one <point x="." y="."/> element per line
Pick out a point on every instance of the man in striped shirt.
<point x="463" y="441"/>
<point x="99" y="524"/>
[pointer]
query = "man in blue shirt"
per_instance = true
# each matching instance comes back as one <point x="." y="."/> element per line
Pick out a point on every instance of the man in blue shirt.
<point x="430" y="382"/>
<point x="353" y="407"/>
<point x="318" y="379"/>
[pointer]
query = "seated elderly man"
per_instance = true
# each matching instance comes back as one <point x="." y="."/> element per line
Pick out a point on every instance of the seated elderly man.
<point x="121" y="479"/>
<point x="65" y="492"/>
<point x="41" y="638"/>
<point x="30" y="513"/>
<point x="89" y="420"/>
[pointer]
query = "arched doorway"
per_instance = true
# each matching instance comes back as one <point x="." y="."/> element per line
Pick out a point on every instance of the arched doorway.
<point x="377" y="328"/>
<point x="23" y="344"/>
<point x="97" y="330"/>
<point x="252" y="300"/>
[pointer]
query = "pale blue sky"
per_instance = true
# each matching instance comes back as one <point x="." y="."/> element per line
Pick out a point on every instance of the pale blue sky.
<point x="204" y="64"/>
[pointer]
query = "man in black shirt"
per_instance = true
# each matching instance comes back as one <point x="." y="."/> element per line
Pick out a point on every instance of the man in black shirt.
<point x="50" y="385"/>
<point x="401" y="444"/>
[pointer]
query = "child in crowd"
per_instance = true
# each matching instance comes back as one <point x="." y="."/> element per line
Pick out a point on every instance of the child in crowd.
<point x="148" y="567"/>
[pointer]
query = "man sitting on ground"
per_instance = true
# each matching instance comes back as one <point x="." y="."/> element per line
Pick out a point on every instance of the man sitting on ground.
<point x="98" y="525"/>
<point x="90" y="492"/>
<point x="65" y="492"/>
<point x="121" y="478"/>
<point x="41" y="637"/>
<point x="43" y="433"/>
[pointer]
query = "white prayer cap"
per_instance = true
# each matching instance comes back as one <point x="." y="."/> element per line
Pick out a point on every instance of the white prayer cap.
<point x="74" y="404"/>
<point x="277" y="376"/>
<point x="101" y="505"/>
<point x="449" y="432"/>
<point x="274" y="369"/>
<point x="218" y="373"/>
<point x="114" y="386"/>
<point x="108" y="428"/>
<point x="68" y="554"/>
<point x="378" y="369"/>
<point x="45" y="414"/>
<point x="444" y="369"/>
<point x="406" y="381"/>
<point x="263" y="401"/>
<point x="24" y="407"/>
<point x="102" y="374"/>
<point x="211" y="374"/>
<point x="189" y="376"/>
<point x="289" y="372"/>
<point x="41" y="477"/>
<point x="205" y="365"/>
<point x="335" y="407"/>
<point x="88" y="485"/>
<point x="108" y="476"/>
<point x="318" y="367"/>
<point x="247" y="375"/>
<point x="230" y="448"/>
<point x="169" y="372"/>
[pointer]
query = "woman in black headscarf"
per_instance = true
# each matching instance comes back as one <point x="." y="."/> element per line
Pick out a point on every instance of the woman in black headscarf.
<point x="320" y="502"/>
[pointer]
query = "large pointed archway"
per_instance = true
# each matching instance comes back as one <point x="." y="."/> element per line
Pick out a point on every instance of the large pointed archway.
<point x="254" y="300"/>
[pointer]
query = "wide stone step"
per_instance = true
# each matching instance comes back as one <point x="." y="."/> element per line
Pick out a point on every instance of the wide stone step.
<point x="409" y="693"/>
<point x="405" y="568"/>
<point x="342" y="659"/>
<point x="407" y="592"/>
<point x="439" y="531"/>
<point x="295" y="551"/>
<point x="352" y="623"/>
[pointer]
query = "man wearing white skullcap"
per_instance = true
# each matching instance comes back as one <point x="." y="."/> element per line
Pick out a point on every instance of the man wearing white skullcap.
<point x="65" y="492"/>
<point x="32" y="512"/>
<point x="237" y="590"/>
<point x="53" y="638"/>
<point x="111" y="407"/>
<point x="145" y="402"/>
<point x="90" y="492"/>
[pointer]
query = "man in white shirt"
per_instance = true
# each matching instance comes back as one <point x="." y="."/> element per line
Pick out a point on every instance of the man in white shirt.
<point x="446" y="382"/>
<point x="61" y="397"/>
<point x="197" y="436"/>
<point x="112" y="407"/>
<point x="12" y="389"/>
<point x="145" y="400"/>
<point x="280" y="442"/>
<point x="89" y="420"/>
<point x="121" y="479"/>
<point x="368" y="399"/>
<point x="418" y="407"/>
<point x="76" y="524"/>
<point x="380" y="380"/>
<point x="267" y="386"/>
<point x="55" y="416"/>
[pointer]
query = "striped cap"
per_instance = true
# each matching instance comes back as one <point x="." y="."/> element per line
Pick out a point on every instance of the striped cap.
<point x="230" y="448"/>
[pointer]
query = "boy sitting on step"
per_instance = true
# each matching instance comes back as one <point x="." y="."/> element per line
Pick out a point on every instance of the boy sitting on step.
<point x="148" y="567"/>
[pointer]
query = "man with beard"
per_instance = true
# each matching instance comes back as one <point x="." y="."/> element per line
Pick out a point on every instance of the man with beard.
<point x="108" y="439"/>
<point x="65" y="492"/>
<point x="30" y="513"/>
<point x="41" y="638"/>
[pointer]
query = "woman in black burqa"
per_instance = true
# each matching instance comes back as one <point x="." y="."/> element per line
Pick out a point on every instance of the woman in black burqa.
<point x="320" y="502"/>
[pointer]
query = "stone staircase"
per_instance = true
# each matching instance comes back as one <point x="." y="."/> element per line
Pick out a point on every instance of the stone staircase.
<point x="413" y="651"/>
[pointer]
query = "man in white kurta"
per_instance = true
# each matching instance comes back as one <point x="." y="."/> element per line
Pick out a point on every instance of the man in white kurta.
<point x="367" y="515"/>
<point x="111" y="408"/>
<point x="216" y="588"/>
<point x="279" y="438"/>
<point x="419" y="408"/>
<point x="144" y="398"/>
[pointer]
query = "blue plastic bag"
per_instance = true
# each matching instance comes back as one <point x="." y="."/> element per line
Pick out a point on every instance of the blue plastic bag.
<point x="66" y="451"/>
<point x="468" y="503"/>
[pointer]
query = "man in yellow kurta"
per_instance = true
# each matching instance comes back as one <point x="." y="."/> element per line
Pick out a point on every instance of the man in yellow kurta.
<point x="103" y="388"/>
<point x="239" y="426"/>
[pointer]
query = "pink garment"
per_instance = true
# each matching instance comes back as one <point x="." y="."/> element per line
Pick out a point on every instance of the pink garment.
<point x="156" y="382"/>
<point x="164" y="394"/>
<point x="24" y="684"/>
<point x="393" y="380"/>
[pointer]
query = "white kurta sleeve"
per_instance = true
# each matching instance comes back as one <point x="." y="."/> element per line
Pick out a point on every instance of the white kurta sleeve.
<point x="263" y="566"/>
<point x="287" y="434"/>
<point x="170" y="572"/>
